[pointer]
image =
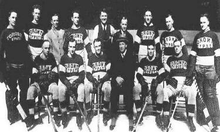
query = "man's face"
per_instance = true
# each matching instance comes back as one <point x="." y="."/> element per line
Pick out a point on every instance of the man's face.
<point x="46" y="48"/>
<point x="177" y="47"/>
<point x="204" y="23"/>
<point x="97" y="47"/>
<point x="55" y="21"/>
<point x="75" y="18"/>
<point x="124" y="24"/>
<point x="12" y="18"/>
<point x="150" y="50"/>
<point x="72" y="47"/>
<point x="103" y="17"/>
<point x="148" y="17"/>
<point x="169" y="22"/>
<point x="122" y="47"/>
<point x="36" y="14"/>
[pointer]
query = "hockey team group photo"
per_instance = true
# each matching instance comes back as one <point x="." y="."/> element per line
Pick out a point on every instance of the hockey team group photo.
<point x="110" y="66"/>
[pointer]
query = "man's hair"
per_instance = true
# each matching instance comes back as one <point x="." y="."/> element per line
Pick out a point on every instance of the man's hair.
<point x="103" y="10"/>
<point x="124" y="18"/>
<point x="55" y="14"/>
<point x="169" y="15"/>
<point x="36" y="7"/>
<point x="146" y="10"/>
<point x="9" y="13"/>
<point x="97" y="40"/>
<point x="65" y="47"/>
<point x="205" y="15"/>
<point x="76" y="11"/>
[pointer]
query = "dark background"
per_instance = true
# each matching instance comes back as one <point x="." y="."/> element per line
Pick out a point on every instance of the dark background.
<point x="186" y="12"/>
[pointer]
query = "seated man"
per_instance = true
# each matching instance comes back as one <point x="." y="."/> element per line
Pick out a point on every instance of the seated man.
<point x="44" y="80"/>
<point x="122" y="72"/>
<point x="72" y="76"/>
<point x="176" y="69"/>
<point x="97" y="74"/>
<point x="148" y="69"/>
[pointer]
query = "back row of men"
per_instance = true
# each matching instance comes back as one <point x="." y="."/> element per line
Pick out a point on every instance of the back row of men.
<point x="65" y="60"/>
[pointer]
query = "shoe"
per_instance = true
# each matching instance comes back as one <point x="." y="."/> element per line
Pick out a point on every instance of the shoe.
<point x="158" y="121"/>
<point x="137" y="117"/>
<point x="191" y="124"/>
<point x="105" y="118"/>
<point x="64" y="120"/>
<point x="166" y="121"/>
<point x="215" y="129"/>
<point x="56" y="119"/>
<point x="131" y="125"/>
<point x="113" y="122"/>
<point x="30" y="121"/>
<point x="79" y="121"/>
<point x="89" y="116"/>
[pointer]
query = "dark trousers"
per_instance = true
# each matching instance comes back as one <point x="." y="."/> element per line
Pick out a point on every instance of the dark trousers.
<point x="127" y="91"/>
<point x="207" y="79"/>
<point x="15" y="77"/>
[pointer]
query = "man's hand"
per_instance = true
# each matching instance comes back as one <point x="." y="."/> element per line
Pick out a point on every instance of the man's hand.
<point x="119" y="80"/>
<point x="172" y="82"/>
<point x="188" y="81"/>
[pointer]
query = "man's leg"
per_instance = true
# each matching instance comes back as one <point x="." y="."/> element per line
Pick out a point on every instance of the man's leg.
<point x="80" y="100"/>
<point x="63" y="104"/>
<point x="128" y="87"/>
<point x="137" y="100"/>
<point x="54" y="90"/>
<point x="190" y="93"/>
<point x="114" y="103"/>
<point x="33" y="90"/>
<point x="106" y="88"/>
<point x="159" y="104"/>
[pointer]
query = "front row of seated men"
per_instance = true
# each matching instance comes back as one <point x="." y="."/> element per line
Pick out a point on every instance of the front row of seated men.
<point x="115" y="77"/>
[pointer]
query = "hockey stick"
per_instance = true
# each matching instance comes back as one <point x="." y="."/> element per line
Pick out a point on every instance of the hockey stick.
<point x="142" y="111"/>
<point x="205" y="110"/>
<point x="49" y="113"/>
<point x="98" y="112"/>
<point x="80" y="110"/>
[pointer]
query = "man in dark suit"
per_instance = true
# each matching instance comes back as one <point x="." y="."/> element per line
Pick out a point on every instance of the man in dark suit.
<point x="122" y="71"/>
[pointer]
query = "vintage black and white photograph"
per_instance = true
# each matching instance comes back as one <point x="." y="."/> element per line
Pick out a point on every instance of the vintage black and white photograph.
<point x="109" y="65"/>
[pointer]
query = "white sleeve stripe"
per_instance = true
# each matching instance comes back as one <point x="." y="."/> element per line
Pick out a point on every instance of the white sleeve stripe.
<point x="54" y="69"/>
<point x="62" y="68"/>
<point x="217" y="52"/>
<point x="140" y="71"/>
<point x="137" y="39"/>
<point x="112" y="29"/>
<point x="193" y="53"/>
<point x="95" y="32"/>
<point x="157" y="40"/>
<point x="161" y="71"/>
<point x="81" y="68"/>
<point x="86" y="41"/>
<point x="34" y="70"/>
<point x="89" y="69"/>
<point x="167" y="67"/>
<point x="108" y="66"/>
<point x="183" y="42"/>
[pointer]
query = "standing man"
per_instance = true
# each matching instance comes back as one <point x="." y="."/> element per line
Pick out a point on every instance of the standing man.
<point x="35" y="32"/>
<point x="44" y="80"/>
<point x="14" y="51"/>
<point x="168" y="37"/>
<point x="123" y="32"/>
<point x="176" y="84"/>
<point x="78" y="34"/>
<point x="55" y="36"/>
<point x="205" y="59"/>
<point x="149" y="68"/>
<point x="149" y="33"/>
<point x="72" y="75"/>
<point x="98" y="74"/>
<point x="122" y="71"/>
<point x="105" y="32"/>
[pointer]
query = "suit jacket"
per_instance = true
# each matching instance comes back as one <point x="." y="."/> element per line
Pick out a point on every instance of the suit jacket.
<point x="124" y="67"/>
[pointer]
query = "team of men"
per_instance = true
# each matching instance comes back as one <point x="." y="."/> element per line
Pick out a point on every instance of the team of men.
<point x="64" y="64"/>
